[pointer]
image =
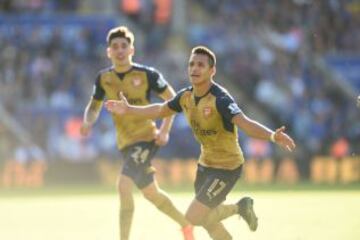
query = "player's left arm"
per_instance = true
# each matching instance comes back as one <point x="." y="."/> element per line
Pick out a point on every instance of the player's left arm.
<point x="230" y="111"/>
<point x="162" y="136"/>
<point x="257" y="130"/>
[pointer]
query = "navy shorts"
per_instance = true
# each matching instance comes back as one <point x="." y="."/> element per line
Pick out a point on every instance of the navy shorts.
<point x="212" y="185"/>
<point x="137" y="163"/>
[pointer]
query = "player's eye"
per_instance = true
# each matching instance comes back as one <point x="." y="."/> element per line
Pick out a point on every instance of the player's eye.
<point x="114" y="46"/>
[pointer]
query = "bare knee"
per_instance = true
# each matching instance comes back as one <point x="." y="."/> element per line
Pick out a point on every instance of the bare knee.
<point x="124" y="187"/>
<point x="197" y="213"/>
<point x="151" y="195"/>
<point x="196" y="218"/>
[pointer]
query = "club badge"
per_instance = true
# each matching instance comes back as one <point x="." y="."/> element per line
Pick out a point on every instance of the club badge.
<point x="207" y="111"/>
<point x="136" y="82"/>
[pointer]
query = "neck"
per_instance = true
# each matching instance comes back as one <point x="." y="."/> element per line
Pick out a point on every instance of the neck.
<point x="202" y="88"/>
<point x="123" y="68"/>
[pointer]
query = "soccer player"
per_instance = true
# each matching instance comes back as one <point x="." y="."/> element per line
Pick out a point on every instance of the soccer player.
<point x="214" y="117"/>
<point x="138" y="139"/>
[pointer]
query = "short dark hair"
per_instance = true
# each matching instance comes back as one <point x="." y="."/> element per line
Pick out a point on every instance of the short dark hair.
<point x="205" y="51"/>
<point x="121" y="32"/>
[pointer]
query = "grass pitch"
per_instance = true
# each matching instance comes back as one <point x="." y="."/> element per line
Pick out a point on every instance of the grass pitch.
<point x="92" y="215"/>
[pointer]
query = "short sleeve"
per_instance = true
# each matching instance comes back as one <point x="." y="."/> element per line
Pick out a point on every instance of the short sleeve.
<point x="174" y="103"/>
<point x="98" y="91"/>
<point x="227" y="107"/>
<point x="157" y="81"/>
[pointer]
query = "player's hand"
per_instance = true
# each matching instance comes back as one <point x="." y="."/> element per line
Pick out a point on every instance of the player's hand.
<point x="161" y="138"/>
<point x="284" y="140"/>
<point x="120" y="106"/>
<point x="85" y="130"/>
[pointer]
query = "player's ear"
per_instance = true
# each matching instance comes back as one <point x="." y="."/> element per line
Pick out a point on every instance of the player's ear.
<point x="132" y="50"/>
<point x="108" y="52"/>
<point x="213" y="70"/>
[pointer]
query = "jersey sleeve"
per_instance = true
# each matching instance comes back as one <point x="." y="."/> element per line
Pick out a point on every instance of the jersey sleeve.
<point x="98" y="91"/>
<point x="174" y="103"/>
<point x="157" y="81"/>
<point x="227" y="107"/>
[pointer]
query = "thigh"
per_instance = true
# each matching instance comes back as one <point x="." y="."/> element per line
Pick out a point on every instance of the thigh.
<point x="215" y="184"/>
<point x="137" y="163"/>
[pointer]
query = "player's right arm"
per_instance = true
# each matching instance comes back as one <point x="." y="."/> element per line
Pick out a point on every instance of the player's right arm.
<point x="93" y="108"/>
<point x="91" y="114"/>
<point x="151" y="111"/>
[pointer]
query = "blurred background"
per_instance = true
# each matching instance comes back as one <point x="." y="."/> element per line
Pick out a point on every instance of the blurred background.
<point x="287" y="62"/>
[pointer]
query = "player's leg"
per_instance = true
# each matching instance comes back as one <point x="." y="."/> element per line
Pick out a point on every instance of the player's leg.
<point x="161" y="200"/>
<point x="125" y="186"/>
<point x="218" y="231"/>
<point x="138" y="167"/>
<point x="197" y="214"/>
<point x="212" y="189"/>
<point x="244" y="208"/>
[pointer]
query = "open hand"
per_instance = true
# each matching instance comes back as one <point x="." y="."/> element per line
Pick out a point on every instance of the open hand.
<point x="284" y="140"/>
<point x="120" y="106"/>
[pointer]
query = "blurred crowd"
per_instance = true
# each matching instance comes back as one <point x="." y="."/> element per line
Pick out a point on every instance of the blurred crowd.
<point x="265" y="49"/>
<point x="269" y="53"/>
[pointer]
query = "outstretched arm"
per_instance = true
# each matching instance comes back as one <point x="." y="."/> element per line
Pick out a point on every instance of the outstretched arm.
<point x="91" y="114"/>
<point x="162" y="136"/>
<point x="257" y="130"/>
<point x="152" y="111"/>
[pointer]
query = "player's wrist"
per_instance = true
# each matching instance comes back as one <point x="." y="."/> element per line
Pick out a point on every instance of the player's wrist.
<point x="272" y="137"/>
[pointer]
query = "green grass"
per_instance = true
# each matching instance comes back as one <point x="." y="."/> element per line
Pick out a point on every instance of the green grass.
<point x="92" y="189"/>
<point x="66" y="213"/>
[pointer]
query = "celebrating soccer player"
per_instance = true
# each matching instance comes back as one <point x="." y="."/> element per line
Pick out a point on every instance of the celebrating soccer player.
<point x="214" y="117"/>
<point x="138" y="138"/>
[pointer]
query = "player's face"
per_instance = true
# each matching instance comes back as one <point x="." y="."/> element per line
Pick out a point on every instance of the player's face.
<point x="199" y="69"/>
<point x="120" y="51"/>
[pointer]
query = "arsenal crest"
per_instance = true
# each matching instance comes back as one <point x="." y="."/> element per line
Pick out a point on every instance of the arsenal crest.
<point x="207" y="111"/>
<point x="136" y="82"/>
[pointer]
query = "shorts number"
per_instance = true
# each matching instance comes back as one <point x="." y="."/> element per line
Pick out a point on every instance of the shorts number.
<point x="215" y="188"/>
<point x="140" y="155"/>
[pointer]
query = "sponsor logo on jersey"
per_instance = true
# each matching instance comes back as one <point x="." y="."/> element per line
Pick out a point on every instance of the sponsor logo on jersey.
<point x="200" y="131"/>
